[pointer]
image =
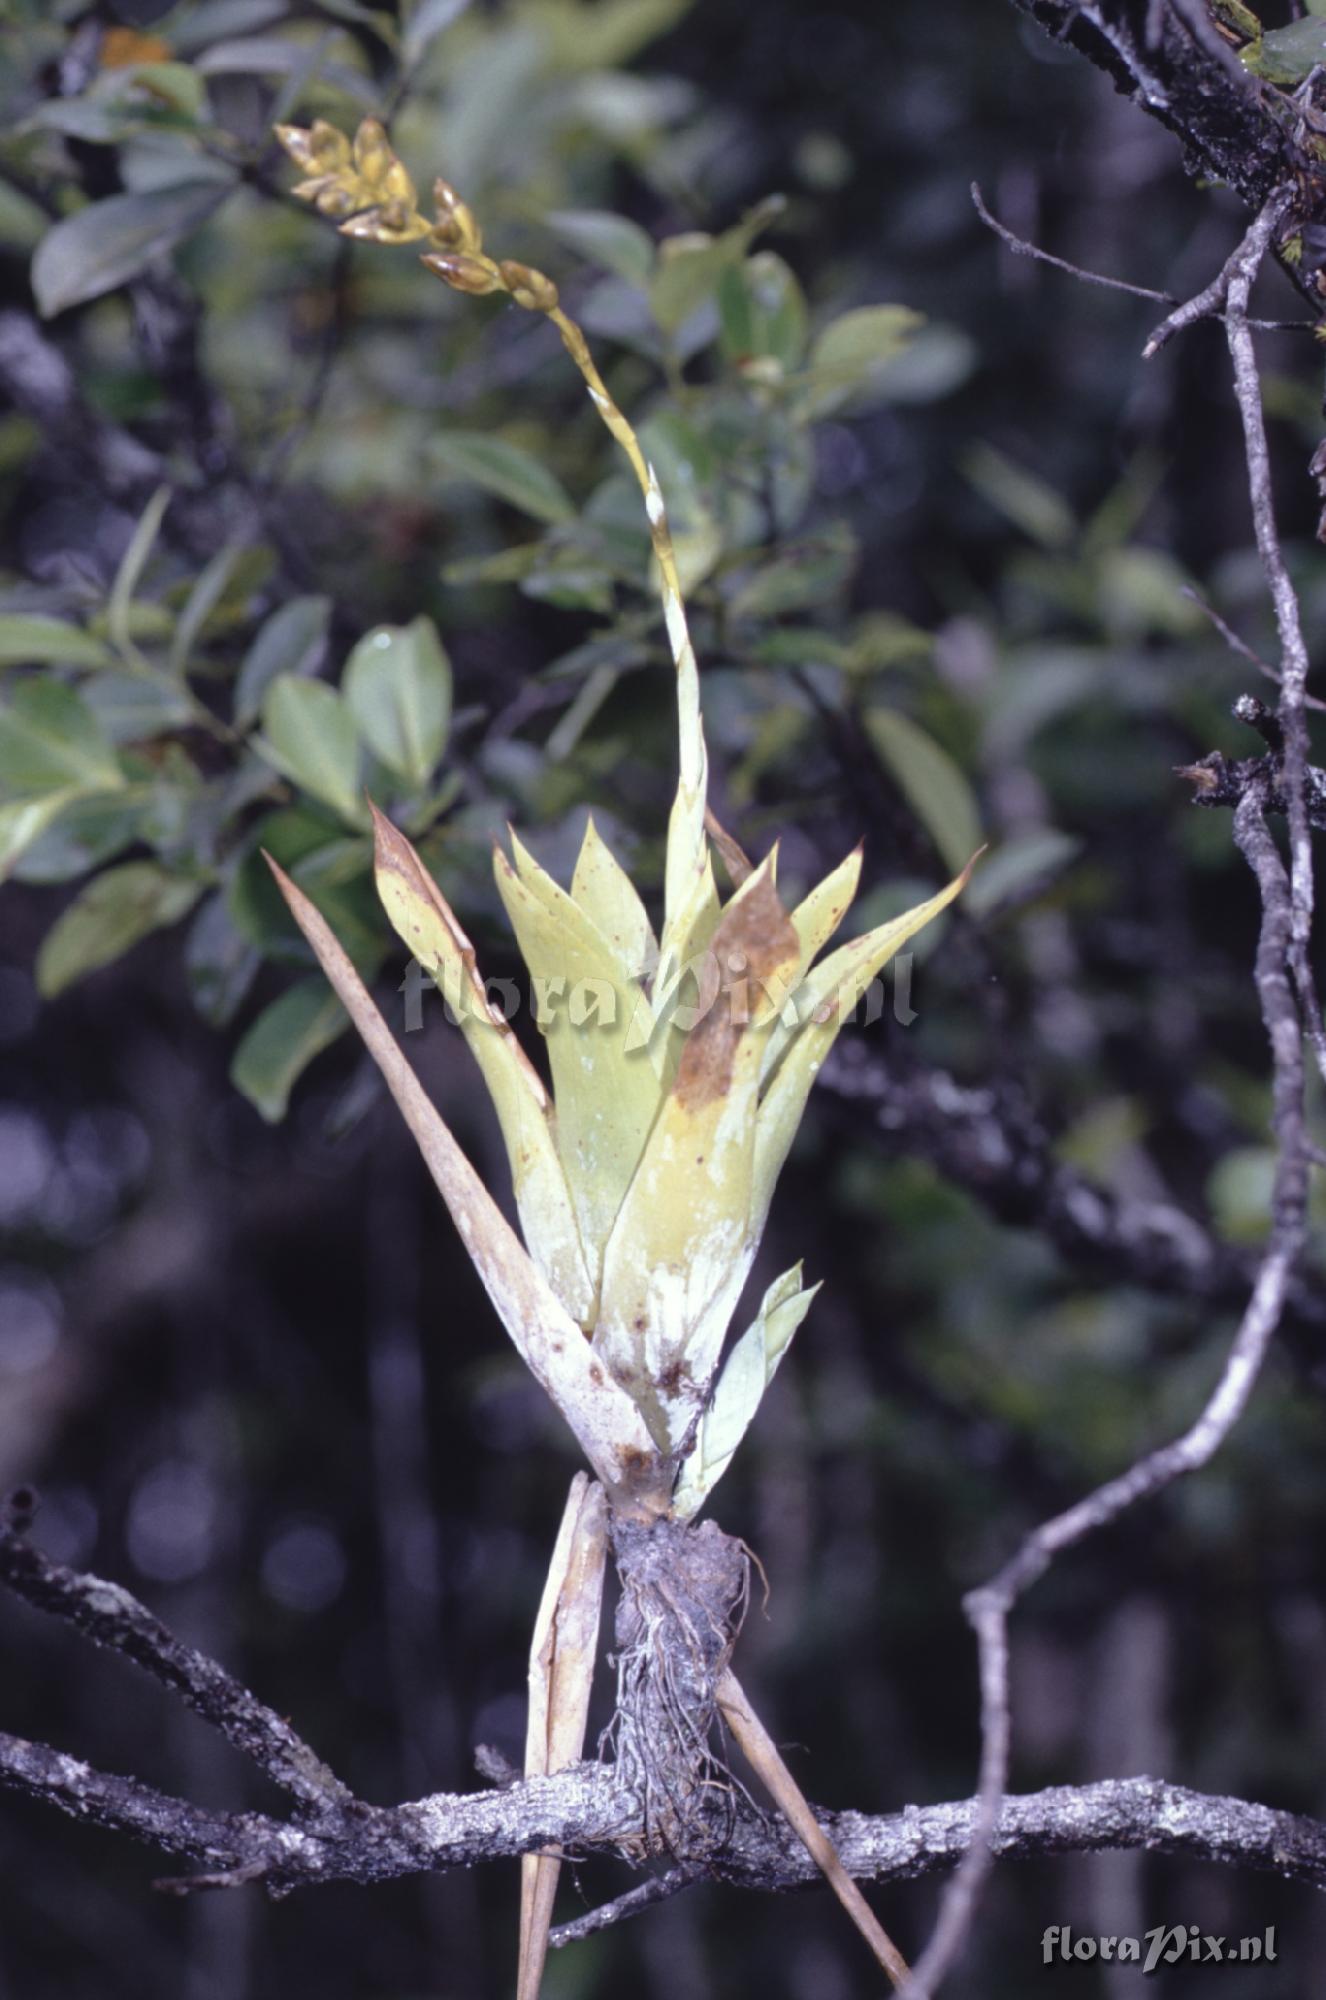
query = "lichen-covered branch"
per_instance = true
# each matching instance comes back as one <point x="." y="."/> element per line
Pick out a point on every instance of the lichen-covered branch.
<point x="109" y="1616"/>
<point x="1171" y="62"/>
<point x="586" y="1809"/>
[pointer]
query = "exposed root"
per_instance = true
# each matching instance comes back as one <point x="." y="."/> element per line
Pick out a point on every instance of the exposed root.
<point x="685" y="1588"/>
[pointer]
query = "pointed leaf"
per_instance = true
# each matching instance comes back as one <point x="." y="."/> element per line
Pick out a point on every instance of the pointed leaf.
<point x="930" y="781"/>
<point x="120" y="604"/>
<point x="110" y="241"/>
<point x="606" y="1092"/>
<point x="504" y="469"/>
<point x="561" y="1676"/>
<point x="609" y="898"/>
<point x="681" y="1246"/>
<point x="853" y="350"/>
<point x="112" y="913"/>
<point x="611" y="241"/>
<point x="398" y="684"/>
<point x="423" y="919"/>
<point x="822" y="1003"/>
<point x="747" y="1373"/>
<point x="605" y="1421"/>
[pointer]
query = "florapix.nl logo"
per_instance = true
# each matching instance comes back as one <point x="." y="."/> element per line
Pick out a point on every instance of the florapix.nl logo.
<point x="1165" y="1944"/>
<point x="683" y="997"/>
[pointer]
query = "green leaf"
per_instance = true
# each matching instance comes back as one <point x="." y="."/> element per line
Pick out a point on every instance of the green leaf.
<point x="50" y="741"/>
<point x="611" y="241"/>
<point x="852" y="350"/>
<point x="112" y="913"/>
<point x="1287" y="55"/>
<point x="111" y="241"/>
<point x="931" y="782"/>
<point x="747" y="1373"/>
<point x="131" y="708"/>
<point x="119" y="606"/>
<point x="689" y="267"/>
<point x="310" y="736"/>
<point x="29" y="639"/>
<point x="202" y="601"/>
<point x="283" y="1041"/>
<point x="23" y="822"/>
<point x="762" y="314"/>
<point x="398" y="684"/>
<point x="291" y="641"/>
<point x="505" y="469"/>
<point x="811" y="571"/>
<point x="22" y="222"/>
<point x="1021" y="867"/>
<point x="85" y="833"/>
<point x="428" y="19"/>
<point x="220" y="962"/>
<point x="1024" y="499"/>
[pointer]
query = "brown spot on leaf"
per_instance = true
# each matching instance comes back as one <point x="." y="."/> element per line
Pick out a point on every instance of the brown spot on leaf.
<point x="753" y="944"/>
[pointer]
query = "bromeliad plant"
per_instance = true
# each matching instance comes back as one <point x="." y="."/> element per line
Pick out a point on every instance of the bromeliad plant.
<point x="681" y="1065"/>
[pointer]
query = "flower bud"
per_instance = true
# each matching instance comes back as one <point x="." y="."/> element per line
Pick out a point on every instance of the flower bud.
<point x="529" y="288"/>
<point x="330" y="148"/>
<point x="373" y="156"/>
<point x="476" y="275"/>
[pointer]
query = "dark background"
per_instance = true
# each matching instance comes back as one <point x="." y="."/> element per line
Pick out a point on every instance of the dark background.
<point x="255" y="1380"/>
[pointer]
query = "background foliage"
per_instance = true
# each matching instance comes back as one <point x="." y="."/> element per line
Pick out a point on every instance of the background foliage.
<point x="938" y="521"/>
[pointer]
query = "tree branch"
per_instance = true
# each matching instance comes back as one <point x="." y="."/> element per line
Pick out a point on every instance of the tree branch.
<point x="1286" y="915"/>
<point x="109" y="1616"/>
<point x="1188" y="80"/>
<point x="583" y="1808"/>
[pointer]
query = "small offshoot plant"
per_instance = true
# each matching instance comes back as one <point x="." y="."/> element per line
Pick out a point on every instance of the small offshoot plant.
<point x="681" y="1062"/>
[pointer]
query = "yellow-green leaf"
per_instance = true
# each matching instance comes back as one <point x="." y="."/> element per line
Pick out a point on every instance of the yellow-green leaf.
<point x="113" y="912"/>
<point x="605" y="1421"/>
<point x="747" y="1373"/>
<point x="681" y="1246"/>
<point x="423" y="919"/>
<point x="609" y="898"/>
<point x="604" y="1083"/>
<point x="823" y="1003"/>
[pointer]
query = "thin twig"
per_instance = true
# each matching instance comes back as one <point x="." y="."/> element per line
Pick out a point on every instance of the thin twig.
<point x="988" y="1609"/>
<point x="1022" y="247"/>
<point x="1239" y="645"/>
<point x="1245" y="260"/>
<point x="109" y="1616"/>
<point x="645" y="1895"/>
